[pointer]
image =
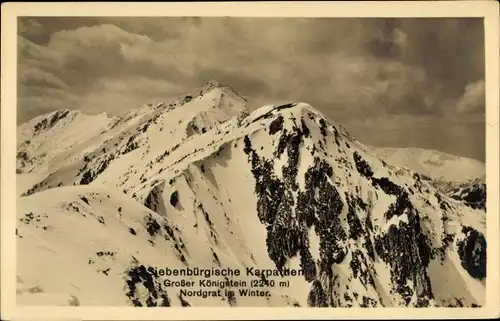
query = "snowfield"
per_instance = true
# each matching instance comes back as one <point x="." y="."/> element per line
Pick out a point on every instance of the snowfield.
<point x="203" y="183"/>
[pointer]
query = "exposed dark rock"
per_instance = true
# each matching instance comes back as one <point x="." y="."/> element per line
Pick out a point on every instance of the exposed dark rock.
<point x="41" y="125"/>
<point x="184" y="303"/>
<point x="325" y="204"/>
<point x="231" y="298"/>
<point x="368" y="302"/>
<point x="305" y="129"/>
<point x="282" y="143"/>
<point x="23" y="155"/>
<point x="205" y="214"/>
<point x="473" y="196"/>
<point x="100" y="219"/>
<point x="86" y="178"/>
<point x="154" y="200"/>
<point x="316" y="297"/>
<point x="276" y="125"/>
<point x="362" y="166"/>
<point x="355" y="227"/>
<point x="174" y="198"/>
<point x="290" y="171"/>
<point x="152" y="225"/>
<point x="360" y="268"/>
<point x="402" y="203"/>
<point x="307" y="264"/>
<point x="472" y="252"/>
<point x="130" y="145"/>
<point x="406" y="250"/>
<point x="156" y="295"/>
<point x="58" y="116"/>
<point x="323" y="127"/>
<point x="265" y="116"/>
<point x="89" y="176"/>
<point x="368" y="245"/>
<point x="387" y="186"/>
<point x="284" y="106"/>
<point x="46" y="124"/>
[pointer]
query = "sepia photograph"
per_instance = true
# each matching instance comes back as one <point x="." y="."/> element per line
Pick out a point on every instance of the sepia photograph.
<point x="231" y="161"/>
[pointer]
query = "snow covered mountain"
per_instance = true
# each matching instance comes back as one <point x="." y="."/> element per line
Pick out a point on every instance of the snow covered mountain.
<point x="203" y="183"/>
<point x="435" y="164"/>
<point x="47" y="136"/>
<point x="461" y="178"/>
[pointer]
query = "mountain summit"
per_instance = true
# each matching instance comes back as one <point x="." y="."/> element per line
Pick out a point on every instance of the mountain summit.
<point x="201" y="183"/>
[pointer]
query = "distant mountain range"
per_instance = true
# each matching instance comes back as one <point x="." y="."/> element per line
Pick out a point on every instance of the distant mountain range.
<point x="460" y="177"/>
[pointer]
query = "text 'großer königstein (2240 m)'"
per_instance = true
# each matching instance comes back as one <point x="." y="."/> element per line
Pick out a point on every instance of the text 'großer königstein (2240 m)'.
<point x="218" y="288"/>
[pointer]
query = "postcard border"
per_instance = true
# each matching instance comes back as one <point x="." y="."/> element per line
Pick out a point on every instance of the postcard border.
<point x="10" y="11"/>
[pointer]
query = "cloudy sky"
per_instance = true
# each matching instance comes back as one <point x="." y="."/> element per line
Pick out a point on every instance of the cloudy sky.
<point x="390" y="82"/>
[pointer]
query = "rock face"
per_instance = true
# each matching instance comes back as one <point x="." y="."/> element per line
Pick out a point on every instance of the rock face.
<point x="204" y="183"/>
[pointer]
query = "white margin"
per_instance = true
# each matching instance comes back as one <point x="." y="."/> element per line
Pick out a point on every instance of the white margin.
<point x="10" y="11"/>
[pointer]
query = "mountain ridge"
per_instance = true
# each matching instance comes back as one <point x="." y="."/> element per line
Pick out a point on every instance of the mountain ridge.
<point x="278" y="187"/>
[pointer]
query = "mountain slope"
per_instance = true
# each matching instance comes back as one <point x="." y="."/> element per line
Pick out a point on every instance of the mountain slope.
<point x="100" y="242"/>
<point x="281" y="187"/>
<point x="46" y="136"/>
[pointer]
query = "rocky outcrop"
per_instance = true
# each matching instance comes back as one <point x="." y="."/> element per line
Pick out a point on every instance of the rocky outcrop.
<point x="472" y="195"/>
<point x="289" y="212"/>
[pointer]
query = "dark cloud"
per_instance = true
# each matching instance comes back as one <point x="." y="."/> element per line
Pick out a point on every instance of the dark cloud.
<point x="450" y="50"/>
<point x="39" y="29"/>
<point x="86" y="54"/>
<point x="432" y="132"/>
<point x="34" y="77"/>
<point x="350" y="68"/>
